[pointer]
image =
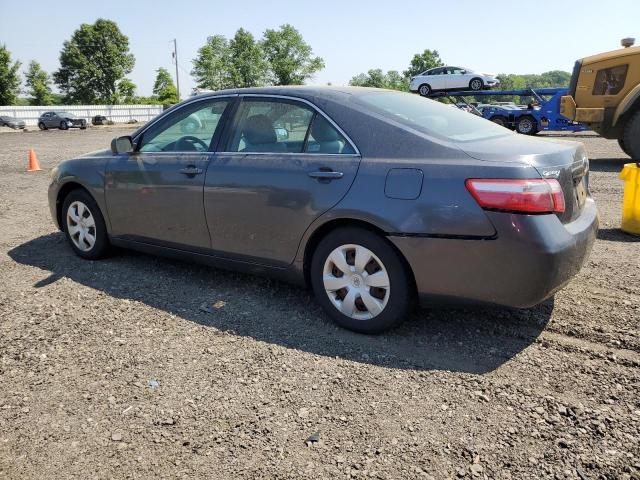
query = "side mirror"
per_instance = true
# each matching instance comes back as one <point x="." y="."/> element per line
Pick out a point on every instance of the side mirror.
<point x="121" y="145"/>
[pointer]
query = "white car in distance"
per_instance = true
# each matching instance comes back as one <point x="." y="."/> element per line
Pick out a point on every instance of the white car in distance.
<point x="451" y="78"/>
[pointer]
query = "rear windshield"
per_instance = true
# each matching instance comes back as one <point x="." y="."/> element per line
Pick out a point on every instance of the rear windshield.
<point x="431" y="117"/>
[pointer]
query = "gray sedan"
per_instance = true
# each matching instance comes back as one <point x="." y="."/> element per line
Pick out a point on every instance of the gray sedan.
<point x="372" y="198"/>
<point x="60" y="119"/>
<point x="12" y="122"/>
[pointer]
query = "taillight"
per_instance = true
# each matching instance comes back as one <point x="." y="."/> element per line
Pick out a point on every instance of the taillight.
<point x="522" y="196"/>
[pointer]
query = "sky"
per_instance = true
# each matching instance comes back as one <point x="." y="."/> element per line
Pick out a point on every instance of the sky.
<point x="351" y="36"/>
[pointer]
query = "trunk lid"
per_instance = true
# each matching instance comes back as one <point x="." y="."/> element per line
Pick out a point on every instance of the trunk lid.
<point x="565" y="161"/>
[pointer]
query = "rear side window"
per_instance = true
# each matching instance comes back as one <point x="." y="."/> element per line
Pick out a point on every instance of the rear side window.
<point x="268" y="125"/>
<point x="609" y="81"/>
<point x="271" y="126"/>
<point x="431" y="117"/>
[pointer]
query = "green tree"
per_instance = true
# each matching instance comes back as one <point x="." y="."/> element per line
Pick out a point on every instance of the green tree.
<point x="93" y="62"/>
<point x="290" y="58"/>
<point x="164" y="89"/>
<point x="126" y="92"/>
<point x="9" y="78"/>
<point x="39" y="84"/>
<point x="212" y="65"/>
<point x="423" y="61"/>
<point x="377" y="78"/>
<point x="248" y="64"/>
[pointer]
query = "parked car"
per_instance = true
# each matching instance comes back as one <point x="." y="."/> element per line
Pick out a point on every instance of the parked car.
<point x="60" y="119"/>
<point x="373" y="198"/>
<point x="451" y="78"/>
<point x="12" y="122"/>
<point x="99" y="120"/>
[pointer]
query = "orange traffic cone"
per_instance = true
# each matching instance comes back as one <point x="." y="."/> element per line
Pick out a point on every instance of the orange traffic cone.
<point x="33" y="166"/>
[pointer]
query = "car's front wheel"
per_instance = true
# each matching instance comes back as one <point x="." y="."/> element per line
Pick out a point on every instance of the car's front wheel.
<point x="361" y="281"/>
<point x="63" y="126"/>
<point x="476" y="84"/>
<point x="84" y="225"/>
<point x="424" y="90"/>
<point x="527" y="125"/>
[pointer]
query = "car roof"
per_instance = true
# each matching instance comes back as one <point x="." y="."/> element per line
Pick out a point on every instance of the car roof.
<point x="302" y="91"/>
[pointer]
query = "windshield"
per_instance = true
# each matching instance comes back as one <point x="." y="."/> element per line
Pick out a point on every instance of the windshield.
<point x="431" y="117"/>
<point x="66" y="115"/>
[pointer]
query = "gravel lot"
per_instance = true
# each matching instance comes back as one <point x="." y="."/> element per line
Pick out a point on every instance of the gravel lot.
<point x="140" y="367"/>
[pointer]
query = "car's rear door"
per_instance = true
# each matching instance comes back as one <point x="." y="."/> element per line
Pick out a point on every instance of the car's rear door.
<point x="282" y="165"/>
<point x="154" y="195"/>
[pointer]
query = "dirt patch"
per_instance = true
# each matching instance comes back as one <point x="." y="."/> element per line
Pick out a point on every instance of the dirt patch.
<point x="143" y="367"/>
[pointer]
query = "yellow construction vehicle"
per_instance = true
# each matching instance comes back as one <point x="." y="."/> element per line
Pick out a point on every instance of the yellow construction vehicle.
<point x="605" y="94"/>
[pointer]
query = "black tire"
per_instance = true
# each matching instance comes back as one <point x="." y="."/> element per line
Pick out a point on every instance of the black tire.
<point x="500" y="120"/>
<point x="424" y="90"/>
<point x="527" y="125"/>
<point x="42" y="126"/>
<point x="401" y="290"/>
<point x="476" y="84"/>
<point x="631" y="137"/>
<point x="101" y="246"/>
<point x="63" y="126"/>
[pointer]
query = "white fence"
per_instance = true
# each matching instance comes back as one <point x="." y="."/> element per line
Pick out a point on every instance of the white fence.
<point x="115" y="113"/>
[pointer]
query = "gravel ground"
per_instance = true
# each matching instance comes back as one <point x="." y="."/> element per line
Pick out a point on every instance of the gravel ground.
<point x="140" y="367"/>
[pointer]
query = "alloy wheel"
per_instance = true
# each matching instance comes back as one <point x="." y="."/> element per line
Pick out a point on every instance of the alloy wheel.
<point x="81" y="226"/>
<point x="356" y="281"/>
<point x="476" y="84"/>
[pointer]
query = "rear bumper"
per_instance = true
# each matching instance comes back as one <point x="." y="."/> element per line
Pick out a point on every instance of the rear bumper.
<point x="531" y="257"/>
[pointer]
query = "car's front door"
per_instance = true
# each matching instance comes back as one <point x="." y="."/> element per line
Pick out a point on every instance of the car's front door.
<point x="154" y="194"/>
<point x="457" y="78"/>
<point x="283" y="165"/>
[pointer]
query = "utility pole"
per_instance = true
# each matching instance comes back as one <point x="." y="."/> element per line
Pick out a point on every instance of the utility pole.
<point x="175" y="59"/>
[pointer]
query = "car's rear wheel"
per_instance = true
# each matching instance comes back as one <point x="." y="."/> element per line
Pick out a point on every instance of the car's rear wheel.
<point x="84" y="225"/>
<point x="424" y="90"/>
<point x="527" y="125"/>
<point x="500" y="120"/>
<point x="476" y="84"/>
<point x="42" y="126"/>
<point x="360" y="280"/>
<point x="63" y="125"/>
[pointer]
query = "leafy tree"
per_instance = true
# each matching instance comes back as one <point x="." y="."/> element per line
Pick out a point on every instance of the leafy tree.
<point x="39" y="84"/>
<point x="93" y="62"/>
<point x="126" y="92"/>
<point x="248" y="64"/>
<point x="423" y="61"/>
<point x="212" y="66"/>
<point x="290" y="58"/>
<point x="9" y="78"/>
<point x="377" y="78"/>
<point x="164" y="89"/>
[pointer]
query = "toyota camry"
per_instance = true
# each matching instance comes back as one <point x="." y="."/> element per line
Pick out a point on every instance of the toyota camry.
<point x="374" y="199"/>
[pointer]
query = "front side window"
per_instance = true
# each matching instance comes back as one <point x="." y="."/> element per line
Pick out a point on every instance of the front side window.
<point x="430" y="117"/>
<point x="192" y="128"/>
<point x="609" y="81"/>
<point x="271" y="126"/>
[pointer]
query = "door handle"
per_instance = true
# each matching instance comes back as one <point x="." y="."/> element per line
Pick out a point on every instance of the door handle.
<point x="191" y="170"/>
<point x="326" y="175"/>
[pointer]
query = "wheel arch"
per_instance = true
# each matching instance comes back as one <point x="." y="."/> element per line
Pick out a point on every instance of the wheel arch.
<point x="63" y="192"/>
<point x="323" y="230"/>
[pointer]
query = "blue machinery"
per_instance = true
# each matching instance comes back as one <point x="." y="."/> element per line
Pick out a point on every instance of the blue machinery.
<point x="530" y="119"/>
